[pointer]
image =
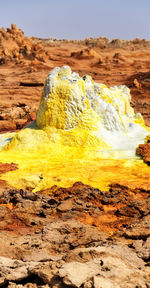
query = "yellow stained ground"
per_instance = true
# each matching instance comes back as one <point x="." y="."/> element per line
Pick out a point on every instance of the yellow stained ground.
<point x="44" y="168"/>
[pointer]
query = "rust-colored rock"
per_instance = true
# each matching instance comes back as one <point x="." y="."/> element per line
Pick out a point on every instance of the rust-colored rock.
<point x="5" y="167"/>
<point x="144" y="151"/>
<point x="85" y="54"/>
<point x="14" y="46"/>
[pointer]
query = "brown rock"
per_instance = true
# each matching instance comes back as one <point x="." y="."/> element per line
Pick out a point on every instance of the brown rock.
<point x="65" y="205"/>
<point x="137" y="84"/>
<point x="7" y="125"/>
<point x="144" y="151"/>
<point x="71" y="276"/>
<point x="101" y="282"/>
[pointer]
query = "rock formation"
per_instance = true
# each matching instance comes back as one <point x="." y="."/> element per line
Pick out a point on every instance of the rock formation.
<point x="14" y="46"/>
<point x="144" y="151"/>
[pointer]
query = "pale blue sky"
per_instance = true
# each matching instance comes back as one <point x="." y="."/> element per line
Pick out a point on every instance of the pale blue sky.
<point x="77" y="19"/>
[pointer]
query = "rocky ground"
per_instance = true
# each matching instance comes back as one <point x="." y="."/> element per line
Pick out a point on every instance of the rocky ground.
<point x="78" y="236"/>
<point x="75" y="237"/>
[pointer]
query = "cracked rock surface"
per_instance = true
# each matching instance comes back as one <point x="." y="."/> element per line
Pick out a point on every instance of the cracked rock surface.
<point x="75" y="237"/>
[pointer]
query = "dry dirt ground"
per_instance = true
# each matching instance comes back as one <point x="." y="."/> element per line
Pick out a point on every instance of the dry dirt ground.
<point x="78" y="236"/>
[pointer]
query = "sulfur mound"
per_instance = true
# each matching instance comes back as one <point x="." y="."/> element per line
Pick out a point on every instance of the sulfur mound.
<point x="76" y="111"/>
<point x="78" y="123"/>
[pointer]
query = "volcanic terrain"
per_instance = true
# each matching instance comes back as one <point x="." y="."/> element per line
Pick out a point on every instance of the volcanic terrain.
<point x="78" y="236"/>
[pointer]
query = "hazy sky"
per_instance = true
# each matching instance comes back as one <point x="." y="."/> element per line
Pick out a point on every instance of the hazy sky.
<point x="78" y="19"/>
